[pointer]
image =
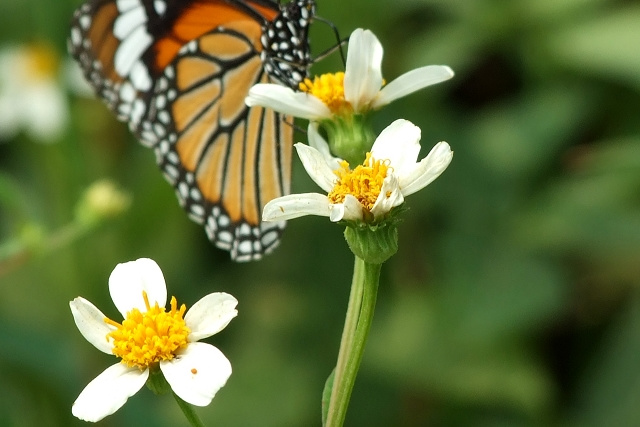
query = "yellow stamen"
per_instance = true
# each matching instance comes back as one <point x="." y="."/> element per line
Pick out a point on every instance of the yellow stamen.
<point x="364" y="182"/>
<point x="146" y="338"/>
<point x="329" y="88"/>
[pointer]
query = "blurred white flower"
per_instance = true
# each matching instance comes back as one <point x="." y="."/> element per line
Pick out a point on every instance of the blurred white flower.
<point x="359" y="89"/>
<point x="368" y="192"/>
<point x="148" y="337"/>
<point x="31" y="97"/>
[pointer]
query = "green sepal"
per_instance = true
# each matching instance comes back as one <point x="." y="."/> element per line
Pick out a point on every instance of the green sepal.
<point x="157" y="382"/>
<point x="373" y="243"/>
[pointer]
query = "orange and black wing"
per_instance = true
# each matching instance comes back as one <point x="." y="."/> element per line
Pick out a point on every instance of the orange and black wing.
<point x="178" y="72"/>
<point x="224" y="159"/>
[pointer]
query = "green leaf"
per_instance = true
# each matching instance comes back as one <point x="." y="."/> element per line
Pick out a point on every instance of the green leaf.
<point x="416" y="348"/>
<point x="517" y="138"/>
<point x="594" y="210"/>
<point x="11" y="195"/>
<point x="607" y="393"/>
<point x="606" y="45"/>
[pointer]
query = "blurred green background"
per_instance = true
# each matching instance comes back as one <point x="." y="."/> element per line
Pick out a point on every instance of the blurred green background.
<point x="514" y="299"/>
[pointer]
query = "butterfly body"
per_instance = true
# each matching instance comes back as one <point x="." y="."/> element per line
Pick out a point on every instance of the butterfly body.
<point x="178" y="72"/>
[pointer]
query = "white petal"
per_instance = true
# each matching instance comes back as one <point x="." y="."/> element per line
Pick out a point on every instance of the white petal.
<point x="427" y="169"/>
<point x="399" y="143"/>
<point x="47" y="113"/>
<point x="349" y="210"/>
<point x="390" y="196"/>
<point x="90" y="322"/>
<point x="287" y="101"/>
<point x="295" y="206"/>
<point x="197" y="373"/>
<point x="363" y="71"/>
<point x="128" y="280"/>
<point x="317" y="141"/>
<point x="412" y="81"/>
<point x="108" y="392"/>
<point x="317" y="167"/>
<point x="210" y="315"/>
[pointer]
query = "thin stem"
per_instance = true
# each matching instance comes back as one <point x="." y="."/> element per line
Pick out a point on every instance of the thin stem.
<point x="19" y="250"/>
<point x="362" y="301"/>
<point x="350" y="322"/>
<point x="189" y="412"/>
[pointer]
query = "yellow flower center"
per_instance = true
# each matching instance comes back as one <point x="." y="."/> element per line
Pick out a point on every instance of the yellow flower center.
<point x="40" y="62"/>
<point x="364" y="182"/>
<point x="150" y="337"/>
<point x="329" y="88"/>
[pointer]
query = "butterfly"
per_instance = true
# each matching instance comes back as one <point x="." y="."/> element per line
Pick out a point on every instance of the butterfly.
<point x="178" y="71"/>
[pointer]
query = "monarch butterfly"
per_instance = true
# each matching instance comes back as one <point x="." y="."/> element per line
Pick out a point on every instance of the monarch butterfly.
<point x="178" y="72"/>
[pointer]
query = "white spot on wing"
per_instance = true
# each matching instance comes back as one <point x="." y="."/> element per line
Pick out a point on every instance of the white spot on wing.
<point x="127" y="92"/>
<point x="195" y="194"/>
<point x="130" y="50"/>
<point x="76" y="36"/>
<point x="160" y="6"/>
<point x="137" y="111"/>
<point x="245" y="247"/>
<point x="183" y="189"/>
<point x="269" y="238"/>
<point x="225" y="237"/>
<point x="139" y="76"/>
<point x="85" y="22"/>
<point x="124" y="5"/>
<point x="198" y="210"/>
<point x="172" y="157"/>
<point x="224" y="221"/>
<point x="244" y="230"/>
<point x="164" y="117"/>
<point x="127" y="22"/>
<point x="171" y="173"/>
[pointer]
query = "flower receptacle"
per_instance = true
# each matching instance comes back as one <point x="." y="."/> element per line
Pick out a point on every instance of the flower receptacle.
<point x="373" y="243"/>
<point x="349" y="138"/>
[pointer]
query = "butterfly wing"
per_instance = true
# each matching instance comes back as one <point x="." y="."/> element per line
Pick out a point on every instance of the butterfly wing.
<point x="178" y="72"/>
<point x="224" y="159"/>
<point x="109" y="40"/>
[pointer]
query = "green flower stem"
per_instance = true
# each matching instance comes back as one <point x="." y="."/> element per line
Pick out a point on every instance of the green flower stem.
<point x="33" y="240"/>
<point x="348" y="333"/>
<point x="189" y="412"/>
<point x="362" y="301"/>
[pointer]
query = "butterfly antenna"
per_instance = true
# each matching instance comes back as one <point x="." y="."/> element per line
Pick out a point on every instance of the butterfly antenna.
<point x="339" y="41"/>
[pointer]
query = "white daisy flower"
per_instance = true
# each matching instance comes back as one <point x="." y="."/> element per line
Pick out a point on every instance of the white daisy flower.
<point x="150" y="337"/>
<point x="356" y="91"/>
<point x="31" y="97"/>
<point x="368" y="192"/>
